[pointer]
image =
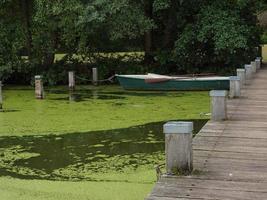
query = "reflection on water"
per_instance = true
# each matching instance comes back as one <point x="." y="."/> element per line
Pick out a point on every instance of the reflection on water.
<point x="78" y="96"/>
<point x="86" y="94"/>
<point x="8" y="110"/>
<point x="77" y="156"/>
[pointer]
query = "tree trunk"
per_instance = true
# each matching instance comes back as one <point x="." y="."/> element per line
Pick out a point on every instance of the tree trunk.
<point x="48" y="60"/>
<point x="170" y="31"/>
<point x="26" y="12"/>
<point x="148" y="38"/>
<point x="49" y="57"/>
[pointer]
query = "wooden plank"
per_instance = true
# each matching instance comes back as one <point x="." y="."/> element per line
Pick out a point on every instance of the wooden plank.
<point x="171" y="198"/>
<point x="237" y="133"/>
<point x="214" y="184"/>
<point x="182" y="192"/>
<point x="254" y="156"/>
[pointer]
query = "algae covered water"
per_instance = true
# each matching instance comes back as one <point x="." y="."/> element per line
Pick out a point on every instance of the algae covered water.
<point x="82" y="156"/>
<point x="59" y="141"/>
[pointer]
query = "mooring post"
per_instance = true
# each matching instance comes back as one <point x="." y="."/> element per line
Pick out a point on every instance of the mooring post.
<point x="218" y="105"/>
<point x="71" y="80"/>
<point x="178" y="147"/>
<point x="259" y="58"/>
<point x="71" y="95"/>
<point x="248" y="69"/>
<point x="254" y="66"/>
<point x="39" y="89"/>
<point x="95" y="76"/>
<point x="234" y="87"/>
<point x="241" y="74"/>
<point x="258" y="62"/>
<point x="1" y="96"/>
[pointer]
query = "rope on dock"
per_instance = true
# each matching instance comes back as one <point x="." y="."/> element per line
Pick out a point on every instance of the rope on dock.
<point x="110" y="79"/>
<point x="203" y="114"/>
<point x="158" y="170"/>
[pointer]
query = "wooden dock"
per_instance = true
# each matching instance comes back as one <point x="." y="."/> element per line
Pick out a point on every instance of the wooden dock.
<point x="230" y="157"/>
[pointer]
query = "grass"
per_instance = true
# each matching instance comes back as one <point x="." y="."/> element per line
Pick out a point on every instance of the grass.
<point x="113" y="55"/>
<point x="103" y="145"/>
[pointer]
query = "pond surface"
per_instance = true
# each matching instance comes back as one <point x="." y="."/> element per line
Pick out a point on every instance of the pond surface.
<point x="105" y="136"/>
<point x="76" y="156"/>
<point x="91" y="109"/>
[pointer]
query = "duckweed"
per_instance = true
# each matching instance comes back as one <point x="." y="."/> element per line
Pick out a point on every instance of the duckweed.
<point x="94" y="143"/>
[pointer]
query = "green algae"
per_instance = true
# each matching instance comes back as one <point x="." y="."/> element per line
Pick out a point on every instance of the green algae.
<point x="117" y="109"/>
<point x="108" y="152"/>
<point x="81" y="156"/>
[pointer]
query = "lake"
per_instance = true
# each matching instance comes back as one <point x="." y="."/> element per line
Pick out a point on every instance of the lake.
<point x="93" y="143"/>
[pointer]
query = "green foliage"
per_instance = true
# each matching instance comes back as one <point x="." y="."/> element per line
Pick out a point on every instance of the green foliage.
<point x="261" y="5"/>
<point x="180" y="36"/>
<point x="159" y="5"/>
<point x="224" y="34"/>
<point x="11" y="40"/>
<point x="264" y="38"/>
<point x="55" y="27"/>
<point x="111" y="21"/>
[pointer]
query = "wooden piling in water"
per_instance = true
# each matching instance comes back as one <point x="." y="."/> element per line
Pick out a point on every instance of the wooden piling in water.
<point x="234" y="91"/>
<point x="71" y="80"/>
<point x="178" y="147"/>
<point x="218" y="105"/>
<point x="39" y="89"/>
<point x="95" y="76"/>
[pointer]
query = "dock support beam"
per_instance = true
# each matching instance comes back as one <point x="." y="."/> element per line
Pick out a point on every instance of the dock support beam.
<point x="39" y="89"/>
<point x="234" y="87"/>
<point x="71" y="80"/>
<point x="241" y="73"/>
<point x="248" y="69"/>
<point x="178" y="147"/>
<point x="254" y="66"/>
<point x="218" y="105"/>
<point x="1" y="96"/>
<point x="95" y="76"/>
<point x="258" y="62"/>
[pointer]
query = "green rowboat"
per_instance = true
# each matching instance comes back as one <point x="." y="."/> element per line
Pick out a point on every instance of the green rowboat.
<point x="160" y="82"/>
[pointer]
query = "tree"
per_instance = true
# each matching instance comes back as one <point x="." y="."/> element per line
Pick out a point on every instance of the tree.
<point x="55" y="29"/>
<point x="176" y="36"/>
<point x="223" y="34"/>
<point x="12" y="37"/>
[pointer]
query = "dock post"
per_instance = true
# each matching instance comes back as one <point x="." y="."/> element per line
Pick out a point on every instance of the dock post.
<point x="258" y="62"/>
<point x="1" y="96"/>
<point x="218" y="105"/>
<point x="254" y="66"/>
<point x="259" y="58"/>
<point x="241" y="74"/>
<point x="248" y="69"/>
<point x="71" y="80"/>
<point x="71" y="95"/>
<point x="39" y="89"/>
<point x="95" y="76"/>
<point x="234" y="87"/>
<point x="178" y="147"/>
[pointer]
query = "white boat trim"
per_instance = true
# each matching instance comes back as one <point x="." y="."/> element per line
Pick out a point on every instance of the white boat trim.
<point x="176" y="78"/>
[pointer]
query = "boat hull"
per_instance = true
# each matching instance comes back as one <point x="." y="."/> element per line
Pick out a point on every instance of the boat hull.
<point x="172" y="85"/>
